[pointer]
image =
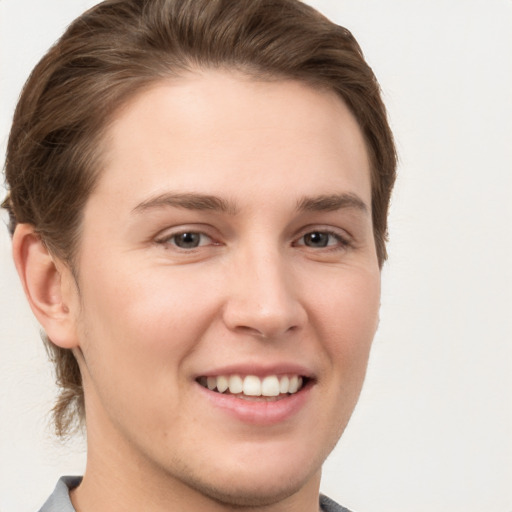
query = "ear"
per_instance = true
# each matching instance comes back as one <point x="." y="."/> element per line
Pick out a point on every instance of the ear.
<point x="49" y="286"/>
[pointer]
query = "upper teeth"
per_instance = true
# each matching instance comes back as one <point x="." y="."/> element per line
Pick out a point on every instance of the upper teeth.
<point x="251" y="385"/>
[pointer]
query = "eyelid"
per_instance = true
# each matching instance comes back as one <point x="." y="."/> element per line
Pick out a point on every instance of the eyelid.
<point x="165" y="236"/>
<point x="344" y="238"/>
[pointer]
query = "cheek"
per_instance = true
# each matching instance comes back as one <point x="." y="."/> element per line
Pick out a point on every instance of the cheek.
<point x="346" y="318"/>
<point x="141" y="327"/>
<point x="135" y="330"/>
<point x="148" y="308"/>
<point x="348" y="314"/>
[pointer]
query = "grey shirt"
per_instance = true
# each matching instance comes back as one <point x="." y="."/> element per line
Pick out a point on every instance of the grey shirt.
<point x="59" y="501"/>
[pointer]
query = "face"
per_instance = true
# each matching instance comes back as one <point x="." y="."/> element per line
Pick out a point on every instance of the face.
<point x="229" y="286"/>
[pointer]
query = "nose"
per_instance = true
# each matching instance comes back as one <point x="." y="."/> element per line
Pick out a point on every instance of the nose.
<point x="263" y="296"/>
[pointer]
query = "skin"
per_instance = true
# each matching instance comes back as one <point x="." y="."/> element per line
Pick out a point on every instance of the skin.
<point x="151" y="317"/>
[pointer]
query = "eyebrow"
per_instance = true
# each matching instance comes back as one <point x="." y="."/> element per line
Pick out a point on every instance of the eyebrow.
<point x="332" y="202"/>
<point x="188" y="201"/>
<point x="193" y="201"/>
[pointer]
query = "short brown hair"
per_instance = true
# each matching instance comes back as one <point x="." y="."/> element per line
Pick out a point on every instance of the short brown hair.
<point x="119" y="47"/>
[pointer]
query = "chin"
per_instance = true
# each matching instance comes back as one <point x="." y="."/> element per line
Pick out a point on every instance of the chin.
<point x="253" y="481"/>
<point x="242" y="492"/>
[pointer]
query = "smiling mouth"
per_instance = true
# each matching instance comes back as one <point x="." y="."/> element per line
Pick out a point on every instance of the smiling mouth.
<point x="251" y="387"/>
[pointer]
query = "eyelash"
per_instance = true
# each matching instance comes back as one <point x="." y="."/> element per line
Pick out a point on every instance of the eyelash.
<point x="341" y="242"/>
<point x="171" y="239"/>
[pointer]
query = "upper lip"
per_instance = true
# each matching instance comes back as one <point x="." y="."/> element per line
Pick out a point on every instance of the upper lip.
<point x="259" y="370"/>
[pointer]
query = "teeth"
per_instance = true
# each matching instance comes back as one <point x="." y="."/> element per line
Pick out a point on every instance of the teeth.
<point x="251" y="385"/>
<point x="211" y="383"/>
<point x="222" y="384"/>
<point x="294" y="384"/>
<point x="284" y="384"/>
<point x="270" y="386"/>
<point x="236" y="384"/>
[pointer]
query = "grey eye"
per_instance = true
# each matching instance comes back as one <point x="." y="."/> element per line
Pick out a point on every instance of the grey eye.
<point x="187" y="240"/>
<point x="317" y="239"/>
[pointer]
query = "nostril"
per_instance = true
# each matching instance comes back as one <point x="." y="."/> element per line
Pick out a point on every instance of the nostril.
<point x="252" y="331"/>
<point x="267" y="333"/>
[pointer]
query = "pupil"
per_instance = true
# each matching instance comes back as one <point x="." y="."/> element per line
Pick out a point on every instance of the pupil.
<point x="316" y="239"/>
<point x="187" y="240"/>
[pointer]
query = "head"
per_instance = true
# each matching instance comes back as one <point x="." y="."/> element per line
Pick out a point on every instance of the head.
<point x="123" y="50"/>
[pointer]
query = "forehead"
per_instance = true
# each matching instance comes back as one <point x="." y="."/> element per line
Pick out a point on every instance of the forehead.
<point x="214" y="129"/>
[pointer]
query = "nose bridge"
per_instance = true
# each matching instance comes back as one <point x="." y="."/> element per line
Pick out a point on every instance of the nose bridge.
<point x="262" y="293"/>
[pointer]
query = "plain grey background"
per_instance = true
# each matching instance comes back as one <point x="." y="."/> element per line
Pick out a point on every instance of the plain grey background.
<point x="433" y="429"/>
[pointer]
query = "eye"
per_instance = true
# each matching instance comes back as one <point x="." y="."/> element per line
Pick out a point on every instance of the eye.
<point x="322" y="239"/>
<point x="317" y="239"/>
<point x="187" y="240"/>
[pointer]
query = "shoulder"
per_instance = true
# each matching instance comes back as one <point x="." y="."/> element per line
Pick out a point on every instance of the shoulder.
<point x="59" y="501"/>
<point x="328" y="505"/>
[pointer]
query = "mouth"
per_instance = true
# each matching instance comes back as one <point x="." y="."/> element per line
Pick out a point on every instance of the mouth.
<point x="252" y="387"/>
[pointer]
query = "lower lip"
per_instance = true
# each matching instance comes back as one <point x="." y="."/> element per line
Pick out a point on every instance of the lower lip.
<point x="259" y="412"/>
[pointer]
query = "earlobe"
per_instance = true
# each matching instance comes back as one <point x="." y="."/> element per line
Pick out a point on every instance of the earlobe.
<point x="47" y="285"/>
